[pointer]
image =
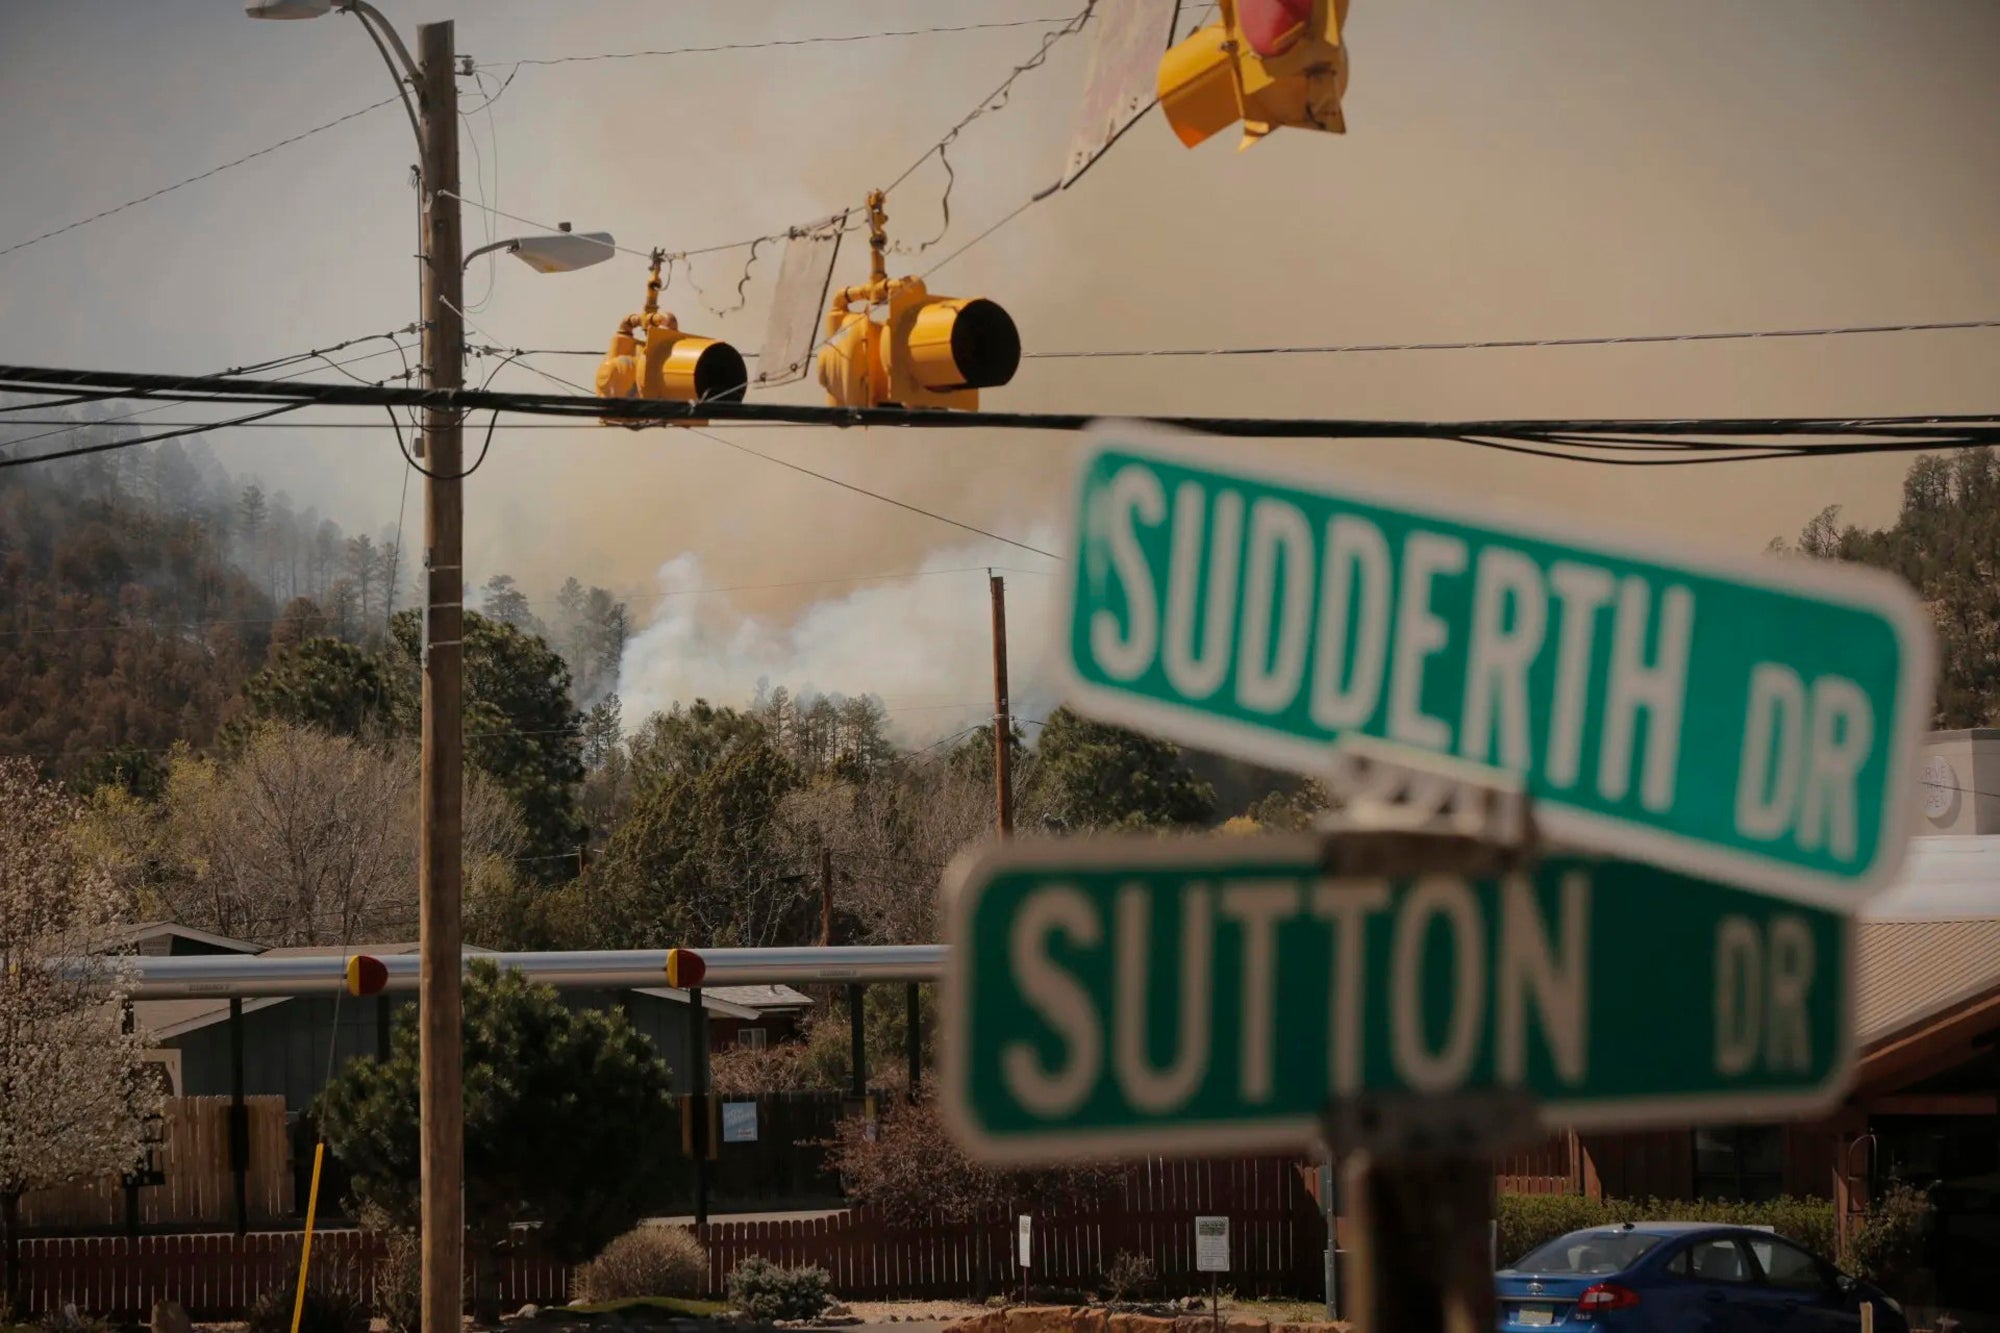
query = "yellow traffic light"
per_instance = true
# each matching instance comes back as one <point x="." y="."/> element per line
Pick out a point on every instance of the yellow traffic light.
<point x="651" y="358"/>
<point x="929" y="351"/>
<point x="1266" y="63"/>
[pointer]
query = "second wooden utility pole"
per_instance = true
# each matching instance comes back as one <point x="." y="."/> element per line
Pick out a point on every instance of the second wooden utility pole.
<point x="1003" y="721"/>
<point x="439" y="1007"/>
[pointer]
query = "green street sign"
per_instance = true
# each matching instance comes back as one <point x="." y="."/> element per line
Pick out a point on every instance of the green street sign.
<point x="1747" y="720"/>
<point x="1126" y="995"/>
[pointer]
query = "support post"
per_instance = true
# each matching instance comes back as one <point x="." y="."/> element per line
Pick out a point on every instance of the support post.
<point x="126" y="1023"/>
<point x="1003" y="718"/>
<point x="239" y="1119"/>
<point x="1332" y="1240"/>
<point x="825" y="896"/>
<point x="382" y="1029"/>
<point x="913" y="1036"/>
<point x="1420" y="1188"/>
<point x="698" y="1106"/>
<point x="857" y="1041"/>
<point x="1418" y="1171"/>
<point x="439" y="1004"/>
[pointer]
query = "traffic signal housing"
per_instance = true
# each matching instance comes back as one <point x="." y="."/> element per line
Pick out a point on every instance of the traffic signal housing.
<point x="1267" y="63"/>
<point x="650" y="357"/>
<point x="669" y="364"/>
<point x="927" y="351"/>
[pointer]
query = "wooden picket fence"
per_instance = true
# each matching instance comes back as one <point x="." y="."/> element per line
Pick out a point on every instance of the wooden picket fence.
<point x="1276" y="1239"/>
<point x="199" y="1188"/>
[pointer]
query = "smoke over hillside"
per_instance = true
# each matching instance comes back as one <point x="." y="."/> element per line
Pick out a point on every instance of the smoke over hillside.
<point x="921" y="643"/>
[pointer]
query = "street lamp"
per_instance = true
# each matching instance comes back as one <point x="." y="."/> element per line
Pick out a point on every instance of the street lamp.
<point x="564" y="251"/>
<point x="428" y="87"/>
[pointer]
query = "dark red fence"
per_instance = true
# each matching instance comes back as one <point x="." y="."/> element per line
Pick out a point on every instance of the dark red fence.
<point x="1276" y="1241"/>
<point x="1276" y="1238"/>
<point x="218" y="1277"/>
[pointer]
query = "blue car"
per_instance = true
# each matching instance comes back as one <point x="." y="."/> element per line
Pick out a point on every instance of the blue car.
<point x="1684" y="1277"/>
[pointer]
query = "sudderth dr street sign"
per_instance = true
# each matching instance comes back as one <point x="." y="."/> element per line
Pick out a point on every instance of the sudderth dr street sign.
<point x="1748" y="720"/>
<point x="1112" y="996"/>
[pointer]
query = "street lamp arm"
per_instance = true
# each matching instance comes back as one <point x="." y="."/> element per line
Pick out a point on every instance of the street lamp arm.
<point x="383" y="33"/>
<point x="510" y="246"/>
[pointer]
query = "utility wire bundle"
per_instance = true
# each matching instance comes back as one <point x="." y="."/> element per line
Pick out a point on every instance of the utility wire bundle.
<point x="1643" y="442"/>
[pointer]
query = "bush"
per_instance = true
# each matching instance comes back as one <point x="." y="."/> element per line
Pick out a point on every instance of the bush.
<point x="651" y="1261"/>
<point x="1128" y="1275"/>
<point x="1888" y="1246"/>
<point x="1529" y="1220"/>
<point x="399" y="1281"/>
<point x="763" y="1290"/>
<point x="68" y="1320"/>
<point x="913" y="1171"/>
<point x="327" y="1310"/>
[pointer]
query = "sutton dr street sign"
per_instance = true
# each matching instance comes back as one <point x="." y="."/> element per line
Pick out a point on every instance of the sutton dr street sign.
<point x="1121" y="995"/>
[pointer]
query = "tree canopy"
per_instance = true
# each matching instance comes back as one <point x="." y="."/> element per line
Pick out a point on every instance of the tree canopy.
<point x="564" y="1116"/>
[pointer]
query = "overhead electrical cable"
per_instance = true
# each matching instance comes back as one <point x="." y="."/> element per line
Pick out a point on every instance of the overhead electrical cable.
<point x="876" y="495"/>
<point x="191" y="180"/>
<point x="1717" y="437"/>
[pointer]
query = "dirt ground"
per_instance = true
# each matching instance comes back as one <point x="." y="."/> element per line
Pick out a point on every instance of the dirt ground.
<point x="904" y="1312"/>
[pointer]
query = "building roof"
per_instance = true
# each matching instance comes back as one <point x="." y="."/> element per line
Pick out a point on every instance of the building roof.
<point x="163" y="1020"/>
<point x="763" y="999"/>
<point x="149" y="930"/>
<point x="1910" y="970"/>
<point x="1944" y="875"/>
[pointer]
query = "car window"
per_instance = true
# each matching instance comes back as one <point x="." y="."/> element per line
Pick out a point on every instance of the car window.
<point x="1718" y="1261"/>
<point x="1787" y="1265"/>
<point x="1678" y="1265"/>
<point x="1588" y="1253"/>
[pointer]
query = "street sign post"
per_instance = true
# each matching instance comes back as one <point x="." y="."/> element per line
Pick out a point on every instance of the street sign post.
<point x="1748" y="720"/>
<point x="1135" y="995"/>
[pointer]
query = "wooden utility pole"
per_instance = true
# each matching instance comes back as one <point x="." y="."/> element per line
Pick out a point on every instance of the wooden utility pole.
<point x="439" y="1004"/>
<point x="1003" y="721"/>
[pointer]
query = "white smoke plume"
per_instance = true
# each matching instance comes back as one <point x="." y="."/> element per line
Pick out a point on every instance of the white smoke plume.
<point x="921" y="644"/>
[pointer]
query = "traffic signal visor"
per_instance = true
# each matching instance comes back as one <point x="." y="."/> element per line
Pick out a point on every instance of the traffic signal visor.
<point x="944" y="350"/>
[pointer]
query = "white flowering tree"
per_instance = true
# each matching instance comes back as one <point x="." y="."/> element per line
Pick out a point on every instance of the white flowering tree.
<point x="73" y="1099"/>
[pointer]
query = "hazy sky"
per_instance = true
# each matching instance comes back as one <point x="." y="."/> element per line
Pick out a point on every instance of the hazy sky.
<point x="1566" y="168"/>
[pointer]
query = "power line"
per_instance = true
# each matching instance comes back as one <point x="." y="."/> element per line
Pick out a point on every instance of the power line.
<point x="1487" y="344"/>
<point x="80" y="450"/>
<point x="876" y="495"/>
<point x="1337" y="349"/>
<point x="212" y="171"/>
<point x="827" y="40"/>
<point x="1605" y="440"/>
